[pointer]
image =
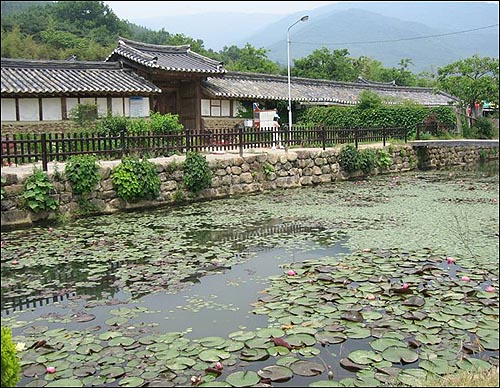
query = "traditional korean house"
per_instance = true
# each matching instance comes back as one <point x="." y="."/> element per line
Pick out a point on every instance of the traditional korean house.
<point x="39" y="94"/>
<point x="177" y="70"/>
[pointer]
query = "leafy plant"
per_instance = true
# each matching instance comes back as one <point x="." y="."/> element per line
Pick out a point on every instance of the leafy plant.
<point x="483" y="128"/>
<point x="4" y="180"/>
<point x="83" y="173"/>
<point x="268" y="168"/>
<point x="84" y="114"/>
<point x="10" y="362"/>
<point x="165" y="123"/>
<point x="136" y="179"/>
<point x="197" y="173"/>
<point x="349" y="158"/>
<point x="113" y="124"/>
<point x="37" y="190"/>
<point x="384" y="159"/>
<point x="366" y="161"/>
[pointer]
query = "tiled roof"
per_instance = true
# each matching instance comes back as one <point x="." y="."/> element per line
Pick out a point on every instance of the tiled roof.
<point x="170" y="58"/>
<point x="40" y="77"/>
<point x="273" y="87"/>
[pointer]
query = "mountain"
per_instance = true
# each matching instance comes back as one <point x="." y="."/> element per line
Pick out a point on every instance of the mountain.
<point x="215" y="29"/>
<point x="344" y="24"/>
<point x="392" y="25"/>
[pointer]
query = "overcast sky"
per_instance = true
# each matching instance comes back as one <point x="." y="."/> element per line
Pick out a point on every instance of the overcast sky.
<point x="142" y="9"/>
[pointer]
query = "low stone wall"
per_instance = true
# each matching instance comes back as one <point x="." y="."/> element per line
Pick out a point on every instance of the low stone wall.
<point x="9" y="128"/>
<point x="232" y="175"/>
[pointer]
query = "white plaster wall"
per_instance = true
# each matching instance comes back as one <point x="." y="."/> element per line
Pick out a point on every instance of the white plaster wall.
<point x="205" y="107"/>
<point x="127" y="107"/>
<point x="117" y="106"/>
<point x="71" y="102"/>
<point x="51" y="109"/>
<point x="145" y="108"/>
<point x="28" y="109"/>
<point x="8" y="109"/>
<point x="87" y="100"/>
<point x="102" y="106"/>
<point x="237" y="107"/>
<point x="225" y="108"/>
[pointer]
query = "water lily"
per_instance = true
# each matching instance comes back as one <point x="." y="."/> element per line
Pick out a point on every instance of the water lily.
<point x="450" y="260"/>
<point x="405" y="286"/>
<point x="465" y="278"/>
<point x="219" y="366"/>
<point x="367" y="250"/>
<point x="291" y="272"/>
<point x="50" y="229"/>
<point x="15" y="262"/>
<point x="490" y="289"/>
<point x="371" y="297"/>
<point x="20" y="346"/>
<point x="51" y="369"/>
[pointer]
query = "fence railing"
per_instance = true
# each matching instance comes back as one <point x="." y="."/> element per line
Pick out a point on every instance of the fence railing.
<point x="434" y="129"/>
<point x="45" y="147"/>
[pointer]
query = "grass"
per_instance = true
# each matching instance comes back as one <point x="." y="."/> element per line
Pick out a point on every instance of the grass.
<point x="487" y="378"/>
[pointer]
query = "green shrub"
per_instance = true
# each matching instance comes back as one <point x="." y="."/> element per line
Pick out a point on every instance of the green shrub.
<point x="165" y="123"/>
<point x="37" y="190"/>
<point x="113" y="125"/>
<point x="197" y="173"/>
<point x="4" y="181"/>
<point x="83" y="173"/>
<point x="384" y="159"/>
<point x="135" y="179"/>
<point x="367" y="158"/>
<point x="84" y="115"/>
<point x="369" y="100"/>
<point x="10" y="362"/>
<point x="268" y="168"/>
<point x="349" y="158"/>
<point x="137" y="126"/>
<point x="483" y="128"/>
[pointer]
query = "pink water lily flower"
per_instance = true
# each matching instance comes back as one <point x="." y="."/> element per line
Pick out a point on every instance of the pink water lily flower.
<point x="51" y="369"/>
<point x="15" y="262"/>
<point x="291" y="272"/>
<point x="465" y="278"/>
<point x="219" y="366"/>
<point x="405" y="286"/>
<point x="450" y="260"/>
<point x="490" y="289"/>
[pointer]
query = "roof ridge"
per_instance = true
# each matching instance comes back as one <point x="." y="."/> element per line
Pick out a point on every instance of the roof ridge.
<point x="131" y="43"/>
<point x="59" y="63"/>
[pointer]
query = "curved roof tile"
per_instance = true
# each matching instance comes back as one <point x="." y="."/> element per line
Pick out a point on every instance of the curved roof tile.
<point x="170" y="58"/>
<point x="62" y="77"/>
<point x="274" y="87"/>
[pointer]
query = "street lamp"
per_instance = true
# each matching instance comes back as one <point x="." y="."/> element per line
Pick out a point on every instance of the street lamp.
<point x="302" y="19"/>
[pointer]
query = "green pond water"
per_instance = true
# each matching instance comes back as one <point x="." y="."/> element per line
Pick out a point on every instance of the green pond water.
<point x="394" y="277"/>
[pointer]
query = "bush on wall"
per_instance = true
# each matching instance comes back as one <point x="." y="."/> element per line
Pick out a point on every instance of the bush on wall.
<point x="406" y="115"/>
<point x="136" y="179"/>
<point x="197" y="173"/>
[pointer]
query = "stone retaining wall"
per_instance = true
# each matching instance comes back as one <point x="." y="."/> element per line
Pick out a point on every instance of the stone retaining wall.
<point x="232" y="175"/>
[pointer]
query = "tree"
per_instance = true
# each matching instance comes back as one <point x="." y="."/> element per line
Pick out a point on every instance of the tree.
<point x="252" y="59"/>
<point x="472" y="80"/>
<point x="323" y="63"/>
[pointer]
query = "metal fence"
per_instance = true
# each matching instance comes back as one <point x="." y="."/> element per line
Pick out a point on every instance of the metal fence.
<point x="45" y="147"/>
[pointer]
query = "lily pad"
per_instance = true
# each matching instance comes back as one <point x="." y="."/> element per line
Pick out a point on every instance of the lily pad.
<point x="243" y="379"/>
<point x="275" y="373"/>
<point x="65" y="383"/>
<point x="307" y="368"/>
<point x="397" y="354"/>
<point x="213" y="355"/>
<point x="364" y="357"/>
<point x="131" y="382"/>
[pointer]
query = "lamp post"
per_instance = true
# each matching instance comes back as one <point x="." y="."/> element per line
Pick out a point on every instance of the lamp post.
<point x="302" y="19"/>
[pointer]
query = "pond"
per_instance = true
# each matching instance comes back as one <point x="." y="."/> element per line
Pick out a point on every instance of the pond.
<point x="358" y="283"/>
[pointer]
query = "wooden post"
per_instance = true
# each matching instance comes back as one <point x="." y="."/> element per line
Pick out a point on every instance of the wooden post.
<point x="44" y="152"/>
<point x="240" y="135"/>
<point x="122" y="143"/>
<point x="323" y="137"/>
<point x="356" y="135"/>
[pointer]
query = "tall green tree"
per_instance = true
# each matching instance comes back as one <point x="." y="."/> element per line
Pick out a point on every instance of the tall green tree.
<point x="471" y="80"/>
<point x="250" y="59"/>
<point x="323" y="63"/>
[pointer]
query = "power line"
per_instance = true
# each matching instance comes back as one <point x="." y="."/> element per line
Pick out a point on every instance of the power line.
<point x="398" y="40"/>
